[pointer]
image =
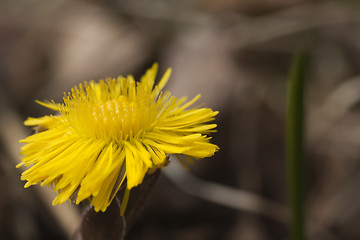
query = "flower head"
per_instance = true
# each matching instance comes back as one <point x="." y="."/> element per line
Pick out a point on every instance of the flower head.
<point x="110" y="131"/>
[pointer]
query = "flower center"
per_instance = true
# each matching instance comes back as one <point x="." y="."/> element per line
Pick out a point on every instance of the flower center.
<point x="117" y="119"/>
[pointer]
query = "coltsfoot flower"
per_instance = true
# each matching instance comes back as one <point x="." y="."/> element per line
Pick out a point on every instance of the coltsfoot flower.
<point x="110" y="131"/>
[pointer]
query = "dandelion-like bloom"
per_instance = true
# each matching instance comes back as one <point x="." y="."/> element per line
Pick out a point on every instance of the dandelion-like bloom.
<point x="110" y="131"/>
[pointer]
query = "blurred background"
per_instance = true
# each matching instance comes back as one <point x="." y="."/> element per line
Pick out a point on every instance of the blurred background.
<point x="237" y="54"/>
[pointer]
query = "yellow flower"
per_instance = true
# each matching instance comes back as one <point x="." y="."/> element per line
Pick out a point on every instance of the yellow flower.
<point x="110" y="131"/>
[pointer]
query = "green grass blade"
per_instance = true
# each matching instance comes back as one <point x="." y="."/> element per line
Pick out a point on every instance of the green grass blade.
<point x="295" y="144"/>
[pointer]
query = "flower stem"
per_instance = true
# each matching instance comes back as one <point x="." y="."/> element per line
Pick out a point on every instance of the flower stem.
<point x="295" y="144"/>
